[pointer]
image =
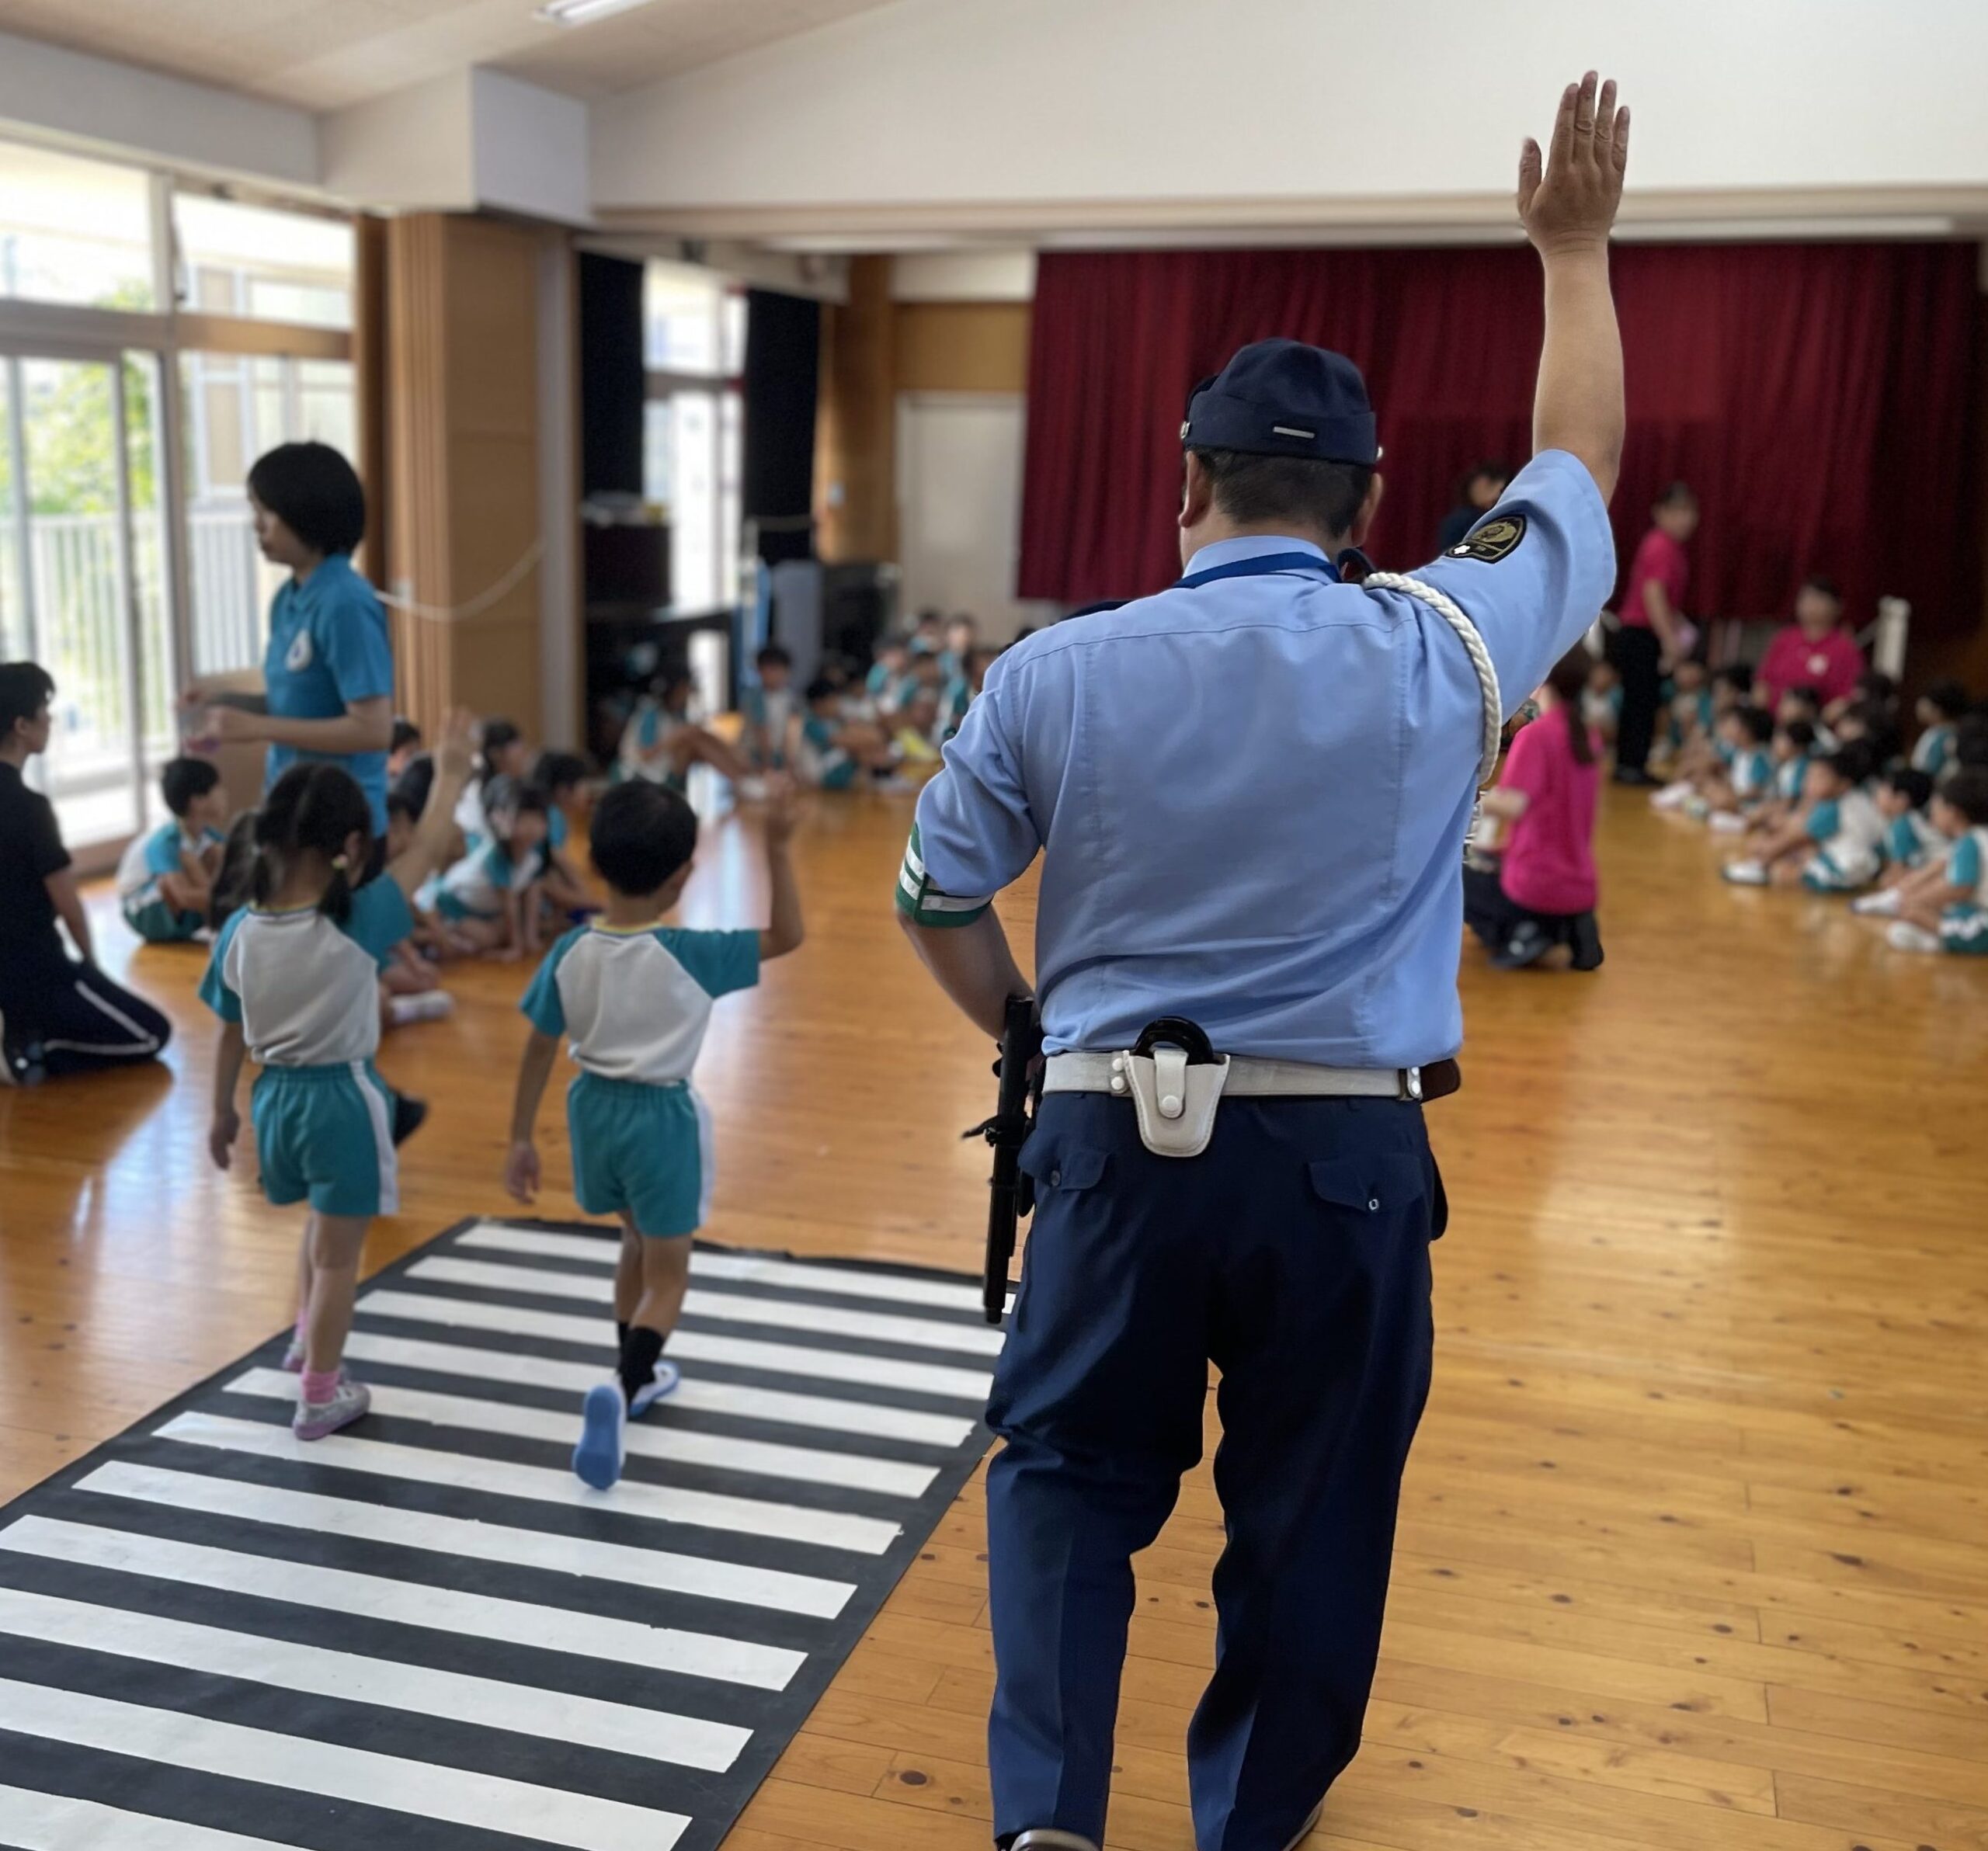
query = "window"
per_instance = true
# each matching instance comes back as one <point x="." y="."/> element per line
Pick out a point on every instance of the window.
<point x="73" y="230"/>
<point x="263" y="264"/>
<point x="237" y="406"/>
<point x="126" y="578"/>
<point x="693" y="428"/>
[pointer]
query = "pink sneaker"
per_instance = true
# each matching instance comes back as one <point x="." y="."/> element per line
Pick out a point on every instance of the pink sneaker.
<point x="350" y="1402"/>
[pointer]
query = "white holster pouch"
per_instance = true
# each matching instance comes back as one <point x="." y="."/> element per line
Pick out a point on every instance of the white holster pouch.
<point x="1175" y="1101"/>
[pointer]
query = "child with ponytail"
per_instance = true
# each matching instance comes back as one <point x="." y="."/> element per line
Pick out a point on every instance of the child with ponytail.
<point x="295" y="977"/>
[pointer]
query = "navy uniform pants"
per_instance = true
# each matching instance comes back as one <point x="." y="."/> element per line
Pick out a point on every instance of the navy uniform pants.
<point x="1294" y="1253"/>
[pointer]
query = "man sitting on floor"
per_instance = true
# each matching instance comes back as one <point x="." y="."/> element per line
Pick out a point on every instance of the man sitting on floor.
<point x="58" y="1015"/>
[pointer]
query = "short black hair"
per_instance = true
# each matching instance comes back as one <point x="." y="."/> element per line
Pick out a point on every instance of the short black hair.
<point x="1758" y="721"/>
<point x="643" y="836"/>
<point x="1967" y="790"/>
<point x="184" y="780"/>
<point x="1822" y="582"/>
<point x="1809" y="696"/>
<point x="1949" y="698"/>
<point x="772" y="655"/>
<point x="1739" y="676"/>
<point x="1971" y="739"/>
<point x="315" y="492"/>
<point x="399" y="804"/>
<point x="558" y="771"/>
<point x="406" y="734"/>
<point x="1853" y="762"/>
<point x="515" y="795"/>
<point x="821" y="687"/>
<point x="1875" y="685"/>
<point x="1489" y="471"/>
<point x="1800" y="733"/>
<point x="25" y="688"/>
<point x="1911" y="783"/>
<point x="1306" y="490"/>
<point x="1678" y="495"/>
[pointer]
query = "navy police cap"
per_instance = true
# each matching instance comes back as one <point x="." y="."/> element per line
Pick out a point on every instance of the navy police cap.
<point x="1282" y="399"/>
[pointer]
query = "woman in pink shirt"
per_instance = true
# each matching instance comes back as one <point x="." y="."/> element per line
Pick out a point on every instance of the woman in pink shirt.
<point x="1814" y="651"/>
<point x="1544" y="892"/>
<point x="1653" y="633"/>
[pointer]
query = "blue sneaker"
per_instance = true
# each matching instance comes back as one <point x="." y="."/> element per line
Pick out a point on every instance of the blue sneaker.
<point x="597" y="1458"/>
<point x="667" y="1375"/>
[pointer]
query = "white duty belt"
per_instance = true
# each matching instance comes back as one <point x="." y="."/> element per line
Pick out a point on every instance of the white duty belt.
<point x="1175" y="1086"/>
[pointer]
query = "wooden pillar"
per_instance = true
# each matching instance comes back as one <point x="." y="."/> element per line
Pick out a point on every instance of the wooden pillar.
<point x="856" y="453"/>
<point x="463" y="466"/>
<point x="370" y="376"/>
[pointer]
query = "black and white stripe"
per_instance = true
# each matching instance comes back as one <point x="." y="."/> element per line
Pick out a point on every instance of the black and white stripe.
<point x="424" y="1632"/>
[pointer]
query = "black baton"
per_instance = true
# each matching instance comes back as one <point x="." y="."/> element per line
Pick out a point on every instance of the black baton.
<point x="1010" y="1194"/>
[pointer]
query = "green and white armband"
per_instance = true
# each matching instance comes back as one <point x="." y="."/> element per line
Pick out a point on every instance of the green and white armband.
<point x="924" y="904"/>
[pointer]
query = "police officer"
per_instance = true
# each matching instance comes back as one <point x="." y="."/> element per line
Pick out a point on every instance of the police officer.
<point x="1251" y="793"/>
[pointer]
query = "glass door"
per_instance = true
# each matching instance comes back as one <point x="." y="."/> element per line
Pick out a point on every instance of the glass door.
<point x="84" y="565"/>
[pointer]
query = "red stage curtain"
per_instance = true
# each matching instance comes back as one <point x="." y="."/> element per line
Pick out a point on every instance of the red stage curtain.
<point x="1816" y="396"/>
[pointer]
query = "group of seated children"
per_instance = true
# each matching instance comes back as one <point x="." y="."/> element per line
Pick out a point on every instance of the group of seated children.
<point x="1821" y="797"/>
<point x="834" y="733"/>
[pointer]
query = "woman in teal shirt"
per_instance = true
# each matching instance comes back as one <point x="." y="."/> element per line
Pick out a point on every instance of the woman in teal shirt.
<point x="328" y="671"/>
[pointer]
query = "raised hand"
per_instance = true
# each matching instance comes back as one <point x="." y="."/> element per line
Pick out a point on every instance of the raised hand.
<point x="455" y="756"/>
<point x="1568" y="198"/>
<point x="783" y="812"/>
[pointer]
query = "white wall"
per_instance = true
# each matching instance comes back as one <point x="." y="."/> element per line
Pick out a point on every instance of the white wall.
<point x="1039" y="108"/>
<point x="969" y="275"/>
<point x="120" y="109"/>
<point x="530" y="149"/>
<point x="413" y="148"/>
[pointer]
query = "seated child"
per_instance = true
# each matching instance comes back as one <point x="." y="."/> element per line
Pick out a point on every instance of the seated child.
<point x="1910" y="839"/>
<point x="1872" y="726"/>
<point x="634" y="997"/>
<point x="1688" y="712"/>
<point x="562" y="777"/>
<point x="1837" y="847"/>
<point x="1601" y="702"/>
<point x="1940" y="711"/>
<point x="1806" y="703"/>
<point x="962" y="633"/>
<point x="405" y="749"/>
<point x="502" y="752"/>
<point x="165" y="880"/>
<point x="767" y="706"/>
<point x="486" y="902"/>
<point x="1730" y="686"/>
<point x="927" y="634"/>
<point x="1794" y="746"/>
<point x="1947" y="908"/>
<point x="829" y="751"/>
<point x="1745" y="777"/>
<point x="662" y="741"/>
<point x="885" y="684"/>
<point x="1874" y="689"/>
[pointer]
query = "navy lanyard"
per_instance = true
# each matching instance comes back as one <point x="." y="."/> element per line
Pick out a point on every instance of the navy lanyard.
<point x="1260" y="566"/>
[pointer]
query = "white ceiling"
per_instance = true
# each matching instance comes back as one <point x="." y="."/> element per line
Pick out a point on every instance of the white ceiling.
<point x="322" y="54"/>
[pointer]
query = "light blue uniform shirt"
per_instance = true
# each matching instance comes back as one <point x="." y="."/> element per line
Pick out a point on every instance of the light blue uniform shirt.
<point x="327" y="648"/>
<point x="1252" y="793"/>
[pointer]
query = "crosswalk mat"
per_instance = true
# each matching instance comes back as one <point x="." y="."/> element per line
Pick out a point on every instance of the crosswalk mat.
<point x="424" y="1634"/>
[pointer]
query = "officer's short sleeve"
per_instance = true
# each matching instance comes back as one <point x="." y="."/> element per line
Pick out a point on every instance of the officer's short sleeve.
<point x="974" y="834"/>
<point x="1533" y="574"/>
<point x="215" y="992"/>
<point x="542" y="1005"/>
<point x="355" y="645"/>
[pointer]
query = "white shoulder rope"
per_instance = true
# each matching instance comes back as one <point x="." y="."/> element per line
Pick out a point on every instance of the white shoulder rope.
<point x="1452" y="613"/>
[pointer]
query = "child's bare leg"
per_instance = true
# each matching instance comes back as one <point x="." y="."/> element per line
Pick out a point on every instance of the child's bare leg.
<point x="1924" y="910"/>
<point x="335" y="1243"/>
<point x="304" y="1276"/>
<point x="664" y="1274"/>
<point x="470" y="937"/>
<point x="627" y="1273"/>
<point x="183" y="894"/>
<point x="702" y="748"/>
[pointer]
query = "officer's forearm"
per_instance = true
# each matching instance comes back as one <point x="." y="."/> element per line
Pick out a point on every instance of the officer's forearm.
<point x="1579" y="405"/>
<point x="973" y="965"/>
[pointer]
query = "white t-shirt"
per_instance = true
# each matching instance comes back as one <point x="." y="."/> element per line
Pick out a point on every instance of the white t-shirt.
<point x="304" y="987"/>
<point x="1849" y="834"/>
<point x="636" y="1004"/>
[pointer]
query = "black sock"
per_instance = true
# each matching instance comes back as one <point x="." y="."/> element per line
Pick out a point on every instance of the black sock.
<point x="640" y="1349"/>
<point x="621" y="1335"/>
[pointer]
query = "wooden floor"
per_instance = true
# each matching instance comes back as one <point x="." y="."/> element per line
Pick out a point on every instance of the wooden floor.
<point x="1694" y="1545"/>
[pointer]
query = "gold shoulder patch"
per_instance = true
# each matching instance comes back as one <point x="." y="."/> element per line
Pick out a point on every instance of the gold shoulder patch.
<point x="1492" y="541"/>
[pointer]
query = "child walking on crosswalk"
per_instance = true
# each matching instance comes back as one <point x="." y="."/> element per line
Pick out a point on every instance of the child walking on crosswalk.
<point x="295" y="978"/>
<point x="634" y="997"/>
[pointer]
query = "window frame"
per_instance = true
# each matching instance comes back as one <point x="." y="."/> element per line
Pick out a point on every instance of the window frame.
<point x="666" y="382"/>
